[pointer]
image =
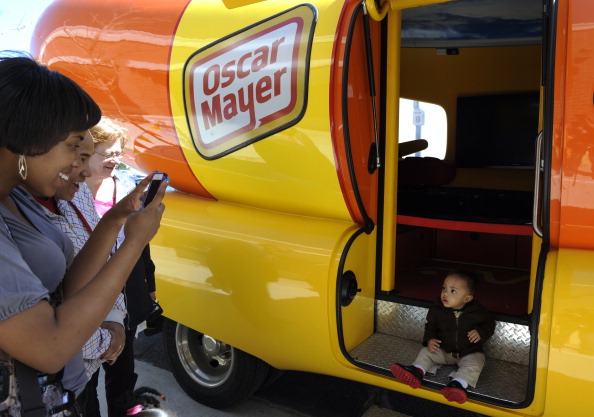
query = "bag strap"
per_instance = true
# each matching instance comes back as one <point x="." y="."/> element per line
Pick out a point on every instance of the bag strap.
<point x="30" y="393"/>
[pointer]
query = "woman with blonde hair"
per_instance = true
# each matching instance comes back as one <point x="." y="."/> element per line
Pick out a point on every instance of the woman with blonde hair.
<point x="109" y="186"/>
<point x="109" y="139"/>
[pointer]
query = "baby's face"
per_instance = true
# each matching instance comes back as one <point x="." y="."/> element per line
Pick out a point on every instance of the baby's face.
<point x="455" y="293"/>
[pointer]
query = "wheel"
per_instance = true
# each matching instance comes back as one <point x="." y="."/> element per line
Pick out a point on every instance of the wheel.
<point x="211" y="372"/>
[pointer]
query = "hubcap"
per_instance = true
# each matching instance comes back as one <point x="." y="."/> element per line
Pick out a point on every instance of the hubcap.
<point x="206" y="360"/>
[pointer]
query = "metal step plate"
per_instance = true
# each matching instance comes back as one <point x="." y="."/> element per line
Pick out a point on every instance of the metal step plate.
<point x="500" y="380"/>
<point x="398" y="338"/>
<point x="511" y="341"/>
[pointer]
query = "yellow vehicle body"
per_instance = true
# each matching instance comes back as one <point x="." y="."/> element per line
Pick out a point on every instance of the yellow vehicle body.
<point x="280" y="250"/>
<point x="288" y="231"/>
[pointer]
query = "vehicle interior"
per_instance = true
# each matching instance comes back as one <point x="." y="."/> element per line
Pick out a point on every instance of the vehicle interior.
<point x="469" y="207"/>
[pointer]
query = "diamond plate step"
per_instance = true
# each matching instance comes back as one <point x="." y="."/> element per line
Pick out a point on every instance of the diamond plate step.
<point x="511" y="341"/>
<point x="398" y="339"/>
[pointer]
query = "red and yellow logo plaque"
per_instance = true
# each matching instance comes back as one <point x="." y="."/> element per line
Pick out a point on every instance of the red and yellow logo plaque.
<point x="250" y="84"/>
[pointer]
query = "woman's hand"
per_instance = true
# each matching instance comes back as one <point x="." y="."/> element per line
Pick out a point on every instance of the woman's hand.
<point x="118" y="339"/>
<point x="142" y="225"/>
<point x="129" y="204"/>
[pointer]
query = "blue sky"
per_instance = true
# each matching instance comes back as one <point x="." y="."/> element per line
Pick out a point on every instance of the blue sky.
<point x="17" y="20"/>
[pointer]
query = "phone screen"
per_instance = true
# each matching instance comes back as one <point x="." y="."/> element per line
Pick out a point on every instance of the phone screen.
<point x="158" y="178"/>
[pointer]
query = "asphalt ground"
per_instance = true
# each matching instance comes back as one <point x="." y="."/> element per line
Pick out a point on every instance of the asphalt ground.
<point x="292" y="394"/>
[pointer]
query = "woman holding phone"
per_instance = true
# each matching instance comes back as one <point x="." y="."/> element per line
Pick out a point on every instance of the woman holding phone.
<point x="72" y="210"/>
<point x="51" y="303"/>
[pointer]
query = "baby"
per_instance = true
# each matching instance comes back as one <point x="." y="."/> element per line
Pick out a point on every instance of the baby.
<point x="455" y="332"/>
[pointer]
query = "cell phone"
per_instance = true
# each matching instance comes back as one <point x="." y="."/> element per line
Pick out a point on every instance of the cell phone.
<point x="158" y="178"/>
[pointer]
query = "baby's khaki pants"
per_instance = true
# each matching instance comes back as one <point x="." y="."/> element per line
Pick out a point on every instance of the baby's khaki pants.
<point x="469" y="366"/>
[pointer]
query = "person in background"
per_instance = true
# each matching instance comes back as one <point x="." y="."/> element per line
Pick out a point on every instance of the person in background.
<point x="46" y="293"/>
<point x="456" y="329"/>
<point x="107" y="188"/>
<point x="72" y="209"/>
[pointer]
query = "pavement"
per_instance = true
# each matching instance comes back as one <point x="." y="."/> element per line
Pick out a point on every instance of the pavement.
<point x="179" y="404"/>
<point x="293" y="394"/>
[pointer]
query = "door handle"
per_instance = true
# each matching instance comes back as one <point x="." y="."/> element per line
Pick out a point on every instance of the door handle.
<point x="539" y="171"/>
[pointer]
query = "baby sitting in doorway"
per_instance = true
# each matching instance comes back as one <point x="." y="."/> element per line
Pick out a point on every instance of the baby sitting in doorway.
<point x="455" y="331"/>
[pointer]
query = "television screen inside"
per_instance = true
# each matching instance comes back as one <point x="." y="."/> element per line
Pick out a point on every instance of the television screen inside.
<point x="497" y="130"/>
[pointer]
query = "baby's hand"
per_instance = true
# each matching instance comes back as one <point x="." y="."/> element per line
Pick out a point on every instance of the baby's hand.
<point x="474" y="336"/>
<point x="433" y="345"/>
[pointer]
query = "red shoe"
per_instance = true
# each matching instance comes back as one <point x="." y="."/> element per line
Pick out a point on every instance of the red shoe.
<point x="409" y="375"/>
<point x="455" y="392"/>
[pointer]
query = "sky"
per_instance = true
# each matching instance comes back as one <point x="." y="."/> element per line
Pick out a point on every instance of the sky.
<point x="17" y="21"/>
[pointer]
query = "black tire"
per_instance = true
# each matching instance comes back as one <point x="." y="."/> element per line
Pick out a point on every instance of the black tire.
<point x="272" y="376"/>
<point x="211" y="372"/>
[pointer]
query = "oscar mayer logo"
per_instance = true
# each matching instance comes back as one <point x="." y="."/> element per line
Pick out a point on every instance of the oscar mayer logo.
<point x="249" y="85"/>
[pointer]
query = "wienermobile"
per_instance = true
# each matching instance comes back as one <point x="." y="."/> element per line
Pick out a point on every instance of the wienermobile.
<point x="309" y="230"/>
